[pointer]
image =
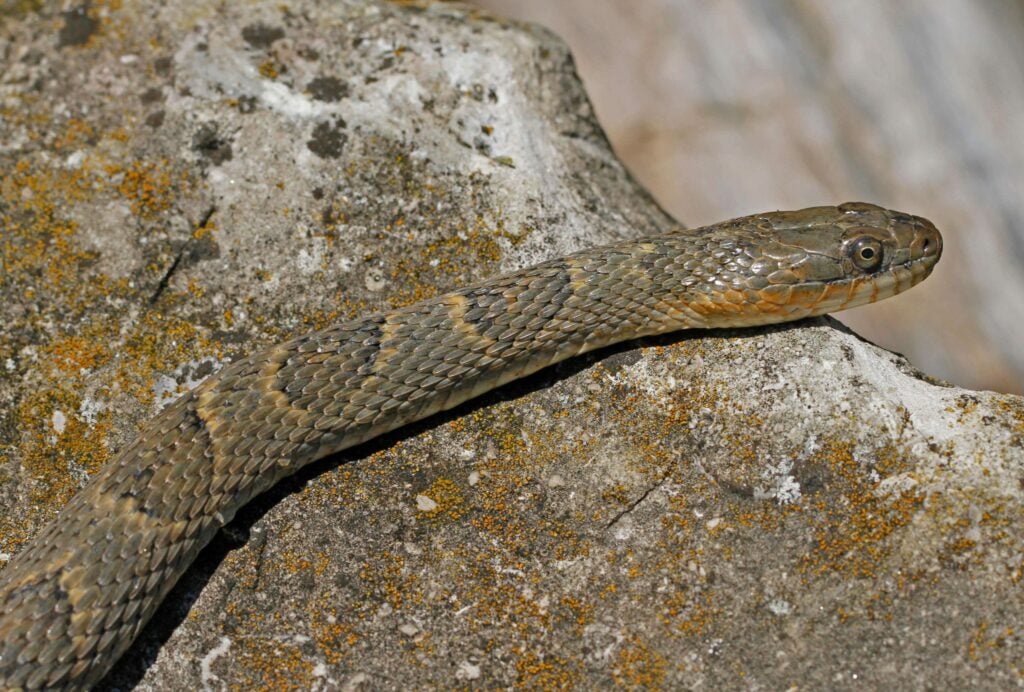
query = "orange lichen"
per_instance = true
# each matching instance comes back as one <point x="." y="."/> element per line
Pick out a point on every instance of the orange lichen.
<point x="537" y="671"/>
<point x="271" y="664"/>
<point x="208" y="227"/>
<point x="638" y="667"/>
<point x="77" y="352"/>
<point x="447" y="498"/>
<point x="76" y="132"/>
<point x="690" y="614"/>
<point x="851" y="536"/>
<point x="75" y="332"/>
<point x="334" y="637"/>
<point x="388" y="579"/>
<point x="149" y="186"/>
<point x="56" y="452"/>
<point x="269" y="69"/>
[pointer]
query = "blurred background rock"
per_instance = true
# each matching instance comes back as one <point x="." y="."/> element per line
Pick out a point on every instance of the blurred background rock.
<point x="736" y="106"/>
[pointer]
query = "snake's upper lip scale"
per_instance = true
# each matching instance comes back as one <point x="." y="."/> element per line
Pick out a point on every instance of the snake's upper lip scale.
<point x="926" y="261"/>
<point x="912" y="264"/>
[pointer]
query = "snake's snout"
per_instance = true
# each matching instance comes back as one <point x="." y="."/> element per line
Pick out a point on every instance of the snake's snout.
<point x="919" y="245"/>
<point x="927" y="241"/>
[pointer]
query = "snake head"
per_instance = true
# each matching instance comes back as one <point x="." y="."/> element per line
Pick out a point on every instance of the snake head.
<point x="787" y="265"/>
<point x="832" y="258"/>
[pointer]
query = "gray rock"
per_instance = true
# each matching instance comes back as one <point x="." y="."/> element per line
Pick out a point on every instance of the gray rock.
<point x="184" y="182"/>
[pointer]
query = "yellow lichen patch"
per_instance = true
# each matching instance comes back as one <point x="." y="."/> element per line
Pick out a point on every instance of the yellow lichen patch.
<point x="149" y="186"/>
<point x="510" y="596"/>
<point x="270" y="69"/>
<point x="638" y="667"/>
<point x="208" y="227"/>
<point x="159" y="343"/>
<point x="271" y="664"/>
<point x="72" y="330"/>
<point x="577" y="611"/>
<point x="496" y="501"/>
<point x="388" y="579"/>
<point x="567" y="543"/>
<point x="762" y="516"/>
<point x="440" y="249"/>
<point x="689" y="614"/>
<point x="444" y="262"/>
<point x="239" y="564"/>
<point x="57" y="449"/>
<point x="537" y="671"/>
<point x="280" y="660"/>
<point x="618" y="493"/>
<point x="76" y="132"/>
<point x="36" y="241"/>
<point x="985" y="644"/>
<point x="447" y="498"/>
<point x="334" y="637"/>
<point x="293" y="563"/>
<point x="42" y="261"/>
<point x="343" y="308"/>
<point x="1012" y="407"/>
<point x="76" y="353"/>
<point x="493" y="592"/>
<point x="851" y="535"/>
<point x="973" y="524"/>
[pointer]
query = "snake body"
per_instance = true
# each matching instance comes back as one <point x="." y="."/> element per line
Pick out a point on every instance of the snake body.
<point x="76" y="596"/>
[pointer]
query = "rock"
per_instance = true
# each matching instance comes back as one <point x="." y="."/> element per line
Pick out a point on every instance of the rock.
<point x="184" y="182"/>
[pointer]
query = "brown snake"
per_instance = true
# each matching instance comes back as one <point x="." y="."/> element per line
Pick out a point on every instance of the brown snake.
<point x="77" y="595"/>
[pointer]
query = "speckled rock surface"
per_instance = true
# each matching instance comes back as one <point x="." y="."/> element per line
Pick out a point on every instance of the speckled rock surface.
<point x="182" y="182"/>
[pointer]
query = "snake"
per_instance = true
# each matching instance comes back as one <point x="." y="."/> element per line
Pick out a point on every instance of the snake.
<point x="78" y="593"/>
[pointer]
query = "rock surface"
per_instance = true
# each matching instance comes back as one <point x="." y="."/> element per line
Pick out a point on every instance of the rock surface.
<point x="183" y="182"/>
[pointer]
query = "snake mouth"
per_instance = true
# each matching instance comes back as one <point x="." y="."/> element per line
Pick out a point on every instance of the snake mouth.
<point x="851" y="292"/>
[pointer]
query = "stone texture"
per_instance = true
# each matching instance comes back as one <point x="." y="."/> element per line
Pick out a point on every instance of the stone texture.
<point x="183" y="182"/>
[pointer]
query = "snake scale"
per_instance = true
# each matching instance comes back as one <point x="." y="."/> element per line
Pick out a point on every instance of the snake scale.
<point x="80" y="591"/>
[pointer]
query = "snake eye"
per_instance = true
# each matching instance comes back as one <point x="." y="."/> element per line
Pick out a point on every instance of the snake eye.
<point x="865" y="253"/>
